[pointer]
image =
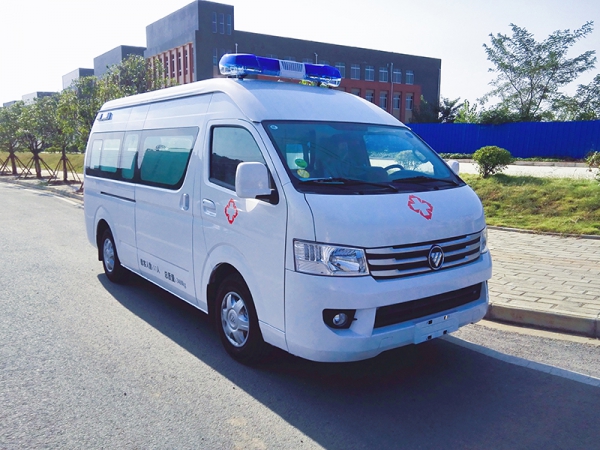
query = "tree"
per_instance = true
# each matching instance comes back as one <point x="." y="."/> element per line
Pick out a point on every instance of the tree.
<point x="134" y="75"/>
<point x="530" y="73"/>
<point x="467" y="113"/>
<point x="9" y="128"/>
<point x="37" y="125"/>
<point x="584" y="105"/>
<point x="425" y="112"/>
<point x="445" y="112"/>
<point x="449" y="109"/>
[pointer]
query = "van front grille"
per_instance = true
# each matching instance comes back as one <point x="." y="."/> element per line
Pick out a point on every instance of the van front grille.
<point x="413" y="259"/>
<point x="403" y="312"/>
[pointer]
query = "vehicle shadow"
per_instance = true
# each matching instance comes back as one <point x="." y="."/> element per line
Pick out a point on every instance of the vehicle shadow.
<point x="435" y="395"/>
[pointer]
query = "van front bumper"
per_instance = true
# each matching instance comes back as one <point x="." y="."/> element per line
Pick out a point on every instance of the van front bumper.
<point x="307" y="296"/>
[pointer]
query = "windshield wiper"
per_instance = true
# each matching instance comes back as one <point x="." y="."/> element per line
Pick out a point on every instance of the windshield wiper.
<point x="348" y="182"/>
<point x="424" y="179"/>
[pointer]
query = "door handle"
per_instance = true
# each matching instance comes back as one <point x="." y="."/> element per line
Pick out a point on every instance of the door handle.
<point x="184" y="202"/>
<point x="209" y="208"/>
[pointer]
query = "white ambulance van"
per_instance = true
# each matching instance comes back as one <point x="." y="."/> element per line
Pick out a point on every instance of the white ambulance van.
<point x="295" y="215"/>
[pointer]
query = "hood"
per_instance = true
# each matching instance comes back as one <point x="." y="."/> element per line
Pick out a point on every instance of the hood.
<point x="369" y="221"/>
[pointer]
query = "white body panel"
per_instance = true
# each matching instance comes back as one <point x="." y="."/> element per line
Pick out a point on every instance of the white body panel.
<point x="178" y="237"/>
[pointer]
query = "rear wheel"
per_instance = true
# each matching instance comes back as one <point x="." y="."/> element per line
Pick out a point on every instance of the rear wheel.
<point x="113" y="269"/>
<point x="236" y="321"/>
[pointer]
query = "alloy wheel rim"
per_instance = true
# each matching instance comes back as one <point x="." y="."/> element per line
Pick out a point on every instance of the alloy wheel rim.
<point x="234" y="319"/>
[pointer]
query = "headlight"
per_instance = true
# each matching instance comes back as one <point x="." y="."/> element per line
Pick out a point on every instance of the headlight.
<point x="484" y="240"/>
<point x="323" y="259"/>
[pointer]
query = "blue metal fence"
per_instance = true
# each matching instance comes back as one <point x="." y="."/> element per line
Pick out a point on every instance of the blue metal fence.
<point x="523" y="140"/>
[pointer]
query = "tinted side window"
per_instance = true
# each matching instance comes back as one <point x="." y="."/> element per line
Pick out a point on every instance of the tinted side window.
<point x="231" y="146"/>
<point x="104" y="157"/>
<point x="165" y="156"/>
<point x="128" y="158"/>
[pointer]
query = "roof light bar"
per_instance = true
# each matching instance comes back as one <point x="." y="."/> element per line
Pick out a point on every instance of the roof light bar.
<point x="243" y="64"/>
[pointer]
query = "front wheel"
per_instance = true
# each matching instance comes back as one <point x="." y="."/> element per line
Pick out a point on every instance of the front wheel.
<point x="113" y="269"/>
<point x="237" y="322"/>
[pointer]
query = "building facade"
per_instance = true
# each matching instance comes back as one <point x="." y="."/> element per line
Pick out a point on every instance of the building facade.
<point x="112" y="57"/>
<point x="189" y="43"/>
<point x="68" y="79"/>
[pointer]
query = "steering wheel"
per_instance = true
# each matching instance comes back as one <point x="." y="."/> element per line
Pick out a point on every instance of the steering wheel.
<point x="394" y="166"/>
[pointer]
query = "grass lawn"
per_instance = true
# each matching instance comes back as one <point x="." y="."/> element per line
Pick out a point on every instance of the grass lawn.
<point x="51" y="159"/>
<point x="559" y="205"/>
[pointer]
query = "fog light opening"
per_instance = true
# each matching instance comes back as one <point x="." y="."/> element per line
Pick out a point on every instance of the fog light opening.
<point x="338" y="318"/>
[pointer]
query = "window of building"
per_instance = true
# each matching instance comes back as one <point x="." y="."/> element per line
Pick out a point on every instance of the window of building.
<point x="383" y="100"/>
<point x="324" y="62"/>
<point x="222" y="23"/>
<point x="397" y="76"/>
<point x="410" y="77"/>
<point x="165" y="157"/>
<point x="383" y="74"/>
<point x="179" y="63"/>
<point x="342" y="68"/>
<point x="214" y="22"/>
<point x="289" y="58"/>
<point x="229" y="24"/>
<point x="369" y="73"/>
<point x="215" y="56"/>
<point x="370" y="95"/>
<point x="396" y="101"/>
<point x="185" y="61"/>
<point x="409" y="102"/>
<point x="307" y="60"/>
<point x="355" y="71"/>
<point x="355" y="91"/>
<point x="231" y="146"/>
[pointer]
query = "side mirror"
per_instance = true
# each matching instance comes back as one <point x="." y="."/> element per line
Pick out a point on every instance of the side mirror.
<point x="454" y="165"/>
<point x="251" y="180"/>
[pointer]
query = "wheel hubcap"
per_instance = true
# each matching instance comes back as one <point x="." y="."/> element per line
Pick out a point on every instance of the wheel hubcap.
<point x="234" y="319"/>
<point x="108" y="253"/>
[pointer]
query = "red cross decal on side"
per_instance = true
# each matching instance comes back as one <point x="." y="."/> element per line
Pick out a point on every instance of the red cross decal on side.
<point x="420" y="206"/>
<point x="231" y="211"/>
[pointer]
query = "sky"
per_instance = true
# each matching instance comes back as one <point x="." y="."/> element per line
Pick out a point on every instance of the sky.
<point x="42" y="40"/>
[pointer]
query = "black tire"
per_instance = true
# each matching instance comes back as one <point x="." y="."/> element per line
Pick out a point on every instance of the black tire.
<point x="237" y="322"/>
<point x="113" y="269"/>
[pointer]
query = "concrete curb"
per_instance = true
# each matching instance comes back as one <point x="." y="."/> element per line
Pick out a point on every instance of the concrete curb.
<point x="32" y="185"/>
<point x="564" y="322"/>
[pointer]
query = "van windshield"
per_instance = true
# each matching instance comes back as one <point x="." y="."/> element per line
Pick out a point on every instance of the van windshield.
<point x="354" y="158"/>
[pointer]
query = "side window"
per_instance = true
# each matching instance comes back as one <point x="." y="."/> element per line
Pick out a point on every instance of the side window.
<point x="231" y="146"/>
<point x="165" y="156"/>
<point x="94" y="157"/>
<point x="110" y="155"/>
<point x="129" y="156"/>
<point x="104" y="157"/>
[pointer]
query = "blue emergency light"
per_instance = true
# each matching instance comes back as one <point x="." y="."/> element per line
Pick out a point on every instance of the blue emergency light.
<point x="243" y="64"/>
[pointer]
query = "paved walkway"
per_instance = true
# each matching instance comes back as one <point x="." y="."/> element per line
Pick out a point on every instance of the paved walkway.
<point x="547" y="281"/>
<point x="539" y="169"/>
<point x="538" y="280"/>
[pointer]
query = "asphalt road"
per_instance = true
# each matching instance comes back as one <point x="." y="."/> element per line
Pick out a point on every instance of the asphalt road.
<point x="88" y="364"/>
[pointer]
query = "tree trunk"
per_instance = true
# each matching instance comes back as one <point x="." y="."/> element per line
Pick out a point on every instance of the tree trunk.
<point x="64" y="164"/>
<point x="13" y="163"/>
<point x="38" y="167"/>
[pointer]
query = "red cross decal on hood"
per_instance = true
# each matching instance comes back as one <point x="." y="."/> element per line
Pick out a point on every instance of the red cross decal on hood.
<point x="420" y="206"/>
<point x="231" y="211"/>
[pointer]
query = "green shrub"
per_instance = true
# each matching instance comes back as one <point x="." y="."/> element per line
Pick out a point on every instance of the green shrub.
<point x="456" y="155"/>
<point x="491" y="160"/>
<point x="593" y="162"/>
